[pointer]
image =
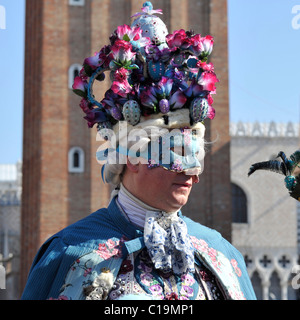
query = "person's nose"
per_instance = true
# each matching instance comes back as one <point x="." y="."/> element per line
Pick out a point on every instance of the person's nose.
<point x="196" y="179"/>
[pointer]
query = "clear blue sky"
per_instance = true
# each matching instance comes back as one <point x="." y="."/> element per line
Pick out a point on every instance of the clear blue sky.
<point x="264" y="64"/>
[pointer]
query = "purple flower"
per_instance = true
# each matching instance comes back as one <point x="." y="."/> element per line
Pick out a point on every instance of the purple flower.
<point x="156" y="289"/>
<point x="148" y="97"/>
<point x="85" y="105"/>
<point x="186" y="291"/>
<point x="164" y="87"/>
<point x="95" y="116"/>
<point x="146" y="278"/>
<point x="177" y="100"/>
<point x="92" y="62"/>
<point x="194" y="90"/>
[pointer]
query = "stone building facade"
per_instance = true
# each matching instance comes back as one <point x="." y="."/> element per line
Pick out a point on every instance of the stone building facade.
<point x="264" y="225"/>
<point x="10" y="208"/>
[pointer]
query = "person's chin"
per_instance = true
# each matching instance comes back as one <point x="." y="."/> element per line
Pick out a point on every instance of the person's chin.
<point x="179" y="200"/>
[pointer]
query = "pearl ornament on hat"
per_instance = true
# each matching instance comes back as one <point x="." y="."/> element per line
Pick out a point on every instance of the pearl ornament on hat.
<point x="199" y="109"/>
<point x="132" y="112"/>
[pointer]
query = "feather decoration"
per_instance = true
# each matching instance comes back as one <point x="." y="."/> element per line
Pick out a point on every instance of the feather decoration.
<point x="287" y="167"/>
<point x="272" y="165"/>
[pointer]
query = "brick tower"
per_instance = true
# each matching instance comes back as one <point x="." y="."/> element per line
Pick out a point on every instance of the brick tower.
<point x="61" y="177"/>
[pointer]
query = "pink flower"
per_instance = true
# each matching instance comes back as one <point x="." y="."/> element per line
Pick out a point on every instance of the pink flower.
<point x="124" y="30"/>
<point x="210" y="99"/>
<point x="178" y="39"/>
<point x="211" y="112"/>
<point x="121" y="75"/>
<point x="101" y="246"/>
<point x="201" y="45"/>
<point x="132" y="35"/>
<point x="121" y="85"/>
<point x="196" y="44"/>
<point x="208" y="80"/>
<point x="80" y="86"/>
<point x="200" y="245"/>
<point x="121" y="51"/>
<point x="205" y="66"/>
<point x="104" y="254"/>
<point x="212" y="252"/>
<point x="234" y="263"/>
<point x="207" y="42"/>
<point x="87" y="272"/>
<point x="111" y="244"/>
<point x="235" y="267"/>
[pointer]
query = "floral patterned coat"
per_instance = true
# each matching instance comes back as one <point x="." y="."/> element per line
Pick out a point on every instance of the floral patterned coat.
<point x="95" y="248"/>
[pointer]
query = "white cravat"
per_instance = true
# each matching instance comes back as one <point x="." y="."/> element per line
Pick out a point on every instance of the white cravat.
<point x="165" y="234"/>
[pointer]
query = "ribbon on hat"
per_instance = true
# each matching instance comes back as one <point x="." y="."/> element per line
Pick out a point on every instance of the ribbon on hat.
<point x="168" y="243"/>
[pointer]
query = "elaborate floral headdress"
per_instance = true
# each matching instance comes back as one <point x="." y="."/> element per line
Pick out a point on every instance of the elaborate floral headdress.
<point x="154" y="74"/>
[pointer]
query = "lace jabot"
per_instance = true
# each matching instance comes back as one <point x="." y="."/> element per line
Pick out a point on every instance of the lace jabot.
<point x="165" y="234"/>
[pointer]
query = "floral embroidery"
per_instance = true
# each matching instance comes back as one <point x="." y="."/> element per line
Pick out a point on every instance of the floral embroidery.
<point x="149" y="281"/>
<point x="156" y="289"/>
<point x="126" y="267"/>
<point x="225" y="269"/>
<point x="171" y="296"/>
<point x="235" y="267"/>
<point x="186" y="291"/>
<point x="83" y="266"/>
<point x="110" y="249"/>
<point x="187" y="279"/>
<point x="177" y="165"/>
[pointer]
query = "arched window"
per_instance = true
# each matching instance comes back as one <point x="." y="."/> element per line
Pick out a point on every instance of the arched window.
<point x="256" y="283"/>
<point x="74" y="71"/>
<point x="76" y="160"/>
<point x="275" y="288"/>
<point x="239" y="204"/>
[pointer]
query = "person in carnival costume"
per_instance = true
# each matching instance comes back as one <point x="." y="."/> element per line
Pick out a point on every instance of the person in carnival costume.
<point x="151" y="122"/>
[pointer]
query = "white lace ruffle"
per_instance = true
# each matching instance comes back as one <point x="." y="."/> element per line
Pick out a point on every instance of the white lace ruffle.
<point x="168" y="243"/>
